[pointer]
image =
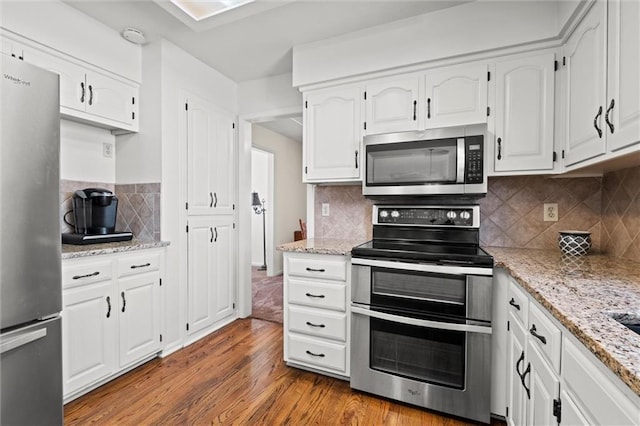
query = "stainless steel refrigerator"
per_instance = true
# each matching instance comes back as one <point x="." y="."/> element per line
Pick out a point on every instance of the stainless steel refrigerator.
<point x="30" y="285"/>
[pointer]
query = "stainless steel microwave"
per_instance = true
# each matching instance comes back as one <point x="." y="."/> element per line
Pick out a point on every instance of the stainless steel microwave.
<point x="431" y="162"/>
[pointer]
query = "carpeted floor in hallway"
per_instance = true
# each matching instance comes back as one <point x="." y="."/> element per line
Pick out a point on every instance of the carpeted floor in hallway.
<point x="267" y="296"/>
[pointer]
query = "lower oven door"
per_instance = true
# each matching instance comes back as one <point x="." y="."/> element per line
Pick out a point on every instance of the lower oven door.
<point x="438" y="365"/>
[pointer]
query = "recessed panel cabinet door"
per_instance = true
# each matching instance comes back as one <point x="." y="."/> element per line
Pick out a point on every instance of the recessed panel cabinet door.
<point x="139" y="304"/>
<point x="586" y="64"/>
<point x="525" y="90"/>
<point x="201" y="287"/>
<point x="623" y="101"/>
<point x="456" y="96"/>
<point x="223" y="186"/>
<point x="516" y="396"/>
<point x="111" y="99"/>
<point x="392" y="105"/>
<point x="223" y="267"/>
<point x="544" y="387"/>
<point x="332" y="133"/>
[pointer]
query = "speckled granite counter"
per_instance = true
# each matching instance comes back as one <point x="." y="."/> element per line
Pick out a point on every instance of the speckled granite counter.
<point x="583" y="293"/>
<point x="70" y="251"/>
<point x="321" y="246"/>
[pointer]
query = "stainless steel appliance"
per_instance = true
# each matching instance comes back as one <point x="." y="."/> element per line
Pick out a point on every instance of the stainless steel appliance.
<point x="431" y="162"/>
<point x="30" y="283"/>
<point x="421" y="310"/>
<point x="94" y="214"/>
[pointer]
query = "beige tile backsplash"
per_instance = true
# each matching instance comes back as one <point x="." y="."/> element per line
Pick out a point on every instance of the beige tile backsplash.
<point x="138" y="206"/>
<point x="350" y="213"/>
<point x="621" y="213"/>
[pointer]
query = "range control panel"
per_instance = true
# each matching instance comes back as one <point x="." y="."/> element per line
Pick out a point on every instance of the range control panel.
<point x="442" y="216"/>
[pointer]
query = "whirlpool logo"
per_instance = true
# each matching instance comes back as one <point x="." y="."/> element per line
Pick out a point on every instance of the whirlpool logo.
<point x="414" y="392"/>
<point x="17" y="80"/>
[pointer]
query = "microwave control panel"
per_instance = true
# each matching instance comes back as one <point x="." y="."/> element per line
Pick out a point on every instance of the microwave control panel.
<point x="474" y="152"/>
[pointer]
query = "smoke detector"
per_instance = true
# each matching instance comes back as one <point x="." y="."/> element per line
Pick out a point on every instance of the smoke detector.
<point x="133" y="35"/>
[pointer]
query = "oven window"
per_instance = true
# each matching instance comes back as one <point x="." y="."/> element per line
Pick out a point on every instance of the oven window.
<point x="412" y="163"/>
<point x="440" y="288"/>
<point x="418" y="353"/>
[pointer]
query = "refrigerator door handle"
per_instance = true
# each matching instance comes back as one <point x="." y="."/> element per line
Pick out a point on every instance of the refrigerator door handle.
<point x="22" y="339"/>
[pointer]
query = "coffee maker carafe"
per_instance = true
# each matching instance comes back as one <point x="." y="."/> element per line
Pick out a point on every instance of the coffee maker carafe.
<point x="94" y="211"/>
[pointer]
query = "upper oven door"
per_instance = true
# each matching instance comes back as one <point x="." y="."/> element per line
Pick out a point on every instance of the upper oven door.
<point x="395" y="165"/>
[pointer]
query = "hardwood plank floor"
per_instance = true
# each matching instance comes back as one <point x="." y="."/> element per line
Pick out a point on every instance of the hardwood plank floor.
<point x="237" y="376"/>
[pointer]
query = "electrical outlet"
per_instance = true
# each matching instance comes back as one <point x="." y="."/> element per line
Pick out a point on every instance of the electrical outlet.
<point x="325" y="209"/>
<point x="107" y="149"/>
<point x="550" y="212"/>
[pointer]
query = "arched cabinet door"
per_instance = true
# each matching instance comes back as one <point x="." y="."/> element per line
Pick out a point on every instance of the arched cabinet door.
<point x="392" y="105"/>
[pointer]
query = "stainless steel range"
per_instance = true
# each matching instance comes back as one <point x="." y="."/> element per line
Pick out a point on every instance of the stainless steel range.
<point x="421" y="310"/>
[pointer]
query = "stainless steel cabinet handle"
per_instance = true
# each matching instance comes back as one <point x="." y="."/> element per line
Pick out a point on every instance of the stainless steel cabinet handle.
<point x="124" y="302"/>
<point x="318" y="355"/>
<point x="534" y="333"/>
<point x="310" y="324"/>
<point x="595" y="122"/>
<point x="499" y="148"/>
<point x="315" y="270"/>
<point x="21" y="339"/>
<point x="606" y="116"/>
<point x="82" y="94"/>
<point x="144" y="265"/>
<point x="90" y="95"/>
<point x="513" y="303"/>
<point x="319" y="296"/>
<point x="108" y="306"/>
<point x="79" y="277"/>
<point x="210" y="199"/>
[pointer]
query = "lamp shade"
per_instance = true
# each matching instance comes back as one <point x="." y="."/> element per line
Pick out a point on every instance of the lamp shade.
<point x="255" y="200"/>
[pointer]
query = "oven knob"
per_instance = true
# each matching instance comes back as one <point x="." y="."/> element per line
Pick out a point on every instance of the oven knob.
<point x="451" y="214"/>
<point x="395" y="214"/>
<point x="384" y="213"/>
<point x="465" y="215"/>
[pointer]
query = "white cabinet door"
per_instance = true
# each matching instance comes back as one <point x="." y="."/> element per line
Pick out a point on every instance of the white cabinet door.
<point x="456" y="96"/>
<point x="623" y="77"/>
<point x="139" y="303"/>
<point x="516" y="396"/>
<point x="111" y="99"/>
<point x="211" y="269"/>
<point x="392" y="105"/>
<point x="332" y="135"/>
<point x="586" y="63"/>
<point x="524" y="113"/>
<point x="210" y="158"/>
<point x="89" y="322"/>
<point x="544" y="387"/>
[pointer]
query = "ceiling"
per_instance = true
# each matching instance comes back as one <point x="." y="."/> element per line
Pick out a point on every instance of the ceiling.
<point x="254" y="41"/>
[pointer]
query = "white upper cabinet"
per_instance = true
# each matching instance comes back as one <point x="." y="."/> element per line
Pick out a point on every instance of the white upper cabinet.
<point x="210" y="153"/>
<point x="332" y="135"/>
<point x="392" y="105"/>
<point x="524" y="113"/>
<point x="622" y="115"/>
<point x="456" y="96"/>
<point x="586" y="87"/>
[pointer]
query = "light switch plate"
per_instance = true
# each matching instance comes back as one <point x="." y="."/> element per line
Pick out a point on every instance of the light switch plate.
<point x="325" y="209"/>
<point x="550" y="212"/>
<point x="107" y="149"/>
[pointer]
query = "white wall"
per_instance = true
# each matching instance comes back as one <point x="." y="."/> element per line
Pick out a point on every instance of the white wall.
<point x="290" y="194"/>
<point x="261" y="174"/>
<point x="81" y="153"/>
<point x="474" y="27"/>
<point x="57" y="25"/>
<point x="269" y="96"/>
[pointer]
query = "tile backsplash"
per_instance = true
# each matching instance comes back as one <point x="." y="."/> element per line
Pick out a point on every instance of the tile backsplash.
<point x="138" y="206"/>
<point x="512" y="212"/>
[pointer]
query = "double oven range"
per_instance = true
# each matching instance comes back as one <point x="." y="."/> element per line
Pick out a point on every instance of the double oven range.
<point x="421" y="310"/>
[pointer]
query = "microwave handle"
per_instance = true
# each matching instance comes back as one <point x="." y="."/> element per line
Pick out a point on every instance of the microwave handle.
<point x="461" y="160"/>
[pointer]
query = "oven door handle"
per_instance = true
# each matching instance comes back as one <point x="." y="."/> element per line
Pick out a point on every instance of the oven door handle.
<point x="419" y="322"/>
<point x="424" y="267"/>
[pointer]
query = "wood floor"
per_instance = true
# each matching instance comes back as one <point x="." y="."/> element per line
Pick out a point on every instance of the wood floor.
<point x="237" y="376"/>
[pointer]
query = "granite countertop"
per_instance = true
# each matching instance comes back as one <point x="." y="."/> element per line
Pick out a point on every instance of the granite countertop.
<point x="583" y="293"/>
<point x="321" y="246"/>
<point x="70" y="251"/>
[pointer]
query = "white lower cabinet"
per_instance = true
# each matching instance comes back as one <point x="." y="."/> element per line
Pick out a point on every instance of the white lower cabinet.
<point x="316" y="312"/>
<point x="110" y="317"/>
<point x="551" y="377"/>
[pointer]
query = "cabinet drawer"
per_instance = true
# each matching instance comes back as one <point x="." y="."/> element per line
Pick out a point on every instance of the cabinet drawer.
<point x="545" y="336"/>
<point x="79" y="273"/>
<point x="317" y="353"/>
<point x="318" y="323"/>
<point x="321" y="295"/>
<point x="138" y="264"/>
<point x="518" y="303"/>
<point x="330" y="269"/>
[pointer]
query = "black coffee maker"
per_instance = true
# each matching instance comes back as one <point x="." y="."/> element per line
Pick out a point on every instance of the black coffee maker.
<point x="94" y="211"/>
